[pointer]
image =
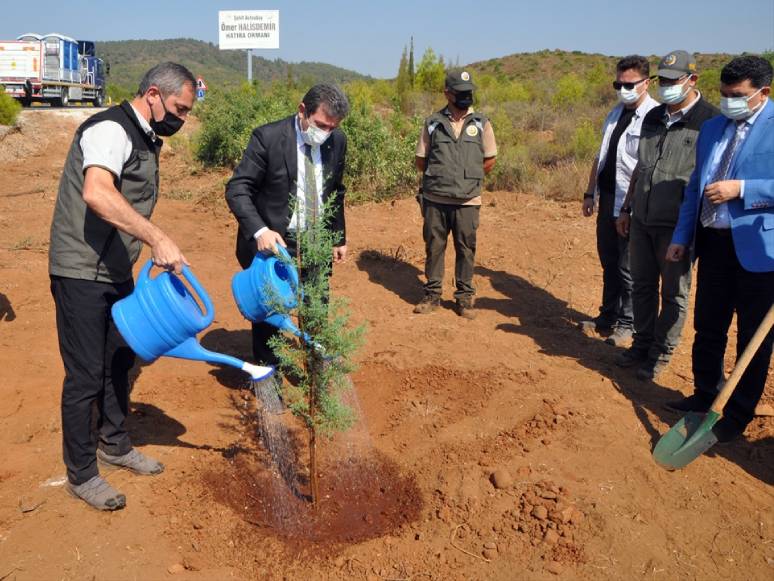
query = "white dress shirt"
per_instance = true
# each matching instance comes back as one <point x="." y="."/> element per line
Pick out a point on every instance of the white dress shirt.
<point x="626" y="153"/>
<point x="297" y="220"/>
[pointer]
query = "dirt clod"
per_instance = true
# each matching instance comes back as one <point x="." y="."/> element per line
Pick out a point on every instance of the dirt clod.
<point x="555" y="567"/>
<point x="501" y="478"/>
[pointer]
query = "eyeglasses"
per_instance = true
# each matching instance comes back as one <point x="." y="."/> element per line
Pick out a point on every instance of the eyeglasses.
<point x="618" y="85"/>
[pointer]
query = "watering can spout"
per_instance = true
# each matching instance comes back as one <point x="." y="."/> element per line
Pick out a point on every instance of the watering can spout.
<point x="191" y="349"/>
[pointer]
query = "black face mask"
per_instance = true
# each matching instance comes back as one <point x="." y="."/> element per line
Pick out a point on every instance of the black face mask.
<point x="463" y="99"/>
<point x="169" y="125"/>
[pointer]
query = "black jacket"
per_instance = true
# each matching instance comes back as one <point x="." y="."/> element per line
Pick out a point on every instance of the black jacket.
<point x="260" y="190"/>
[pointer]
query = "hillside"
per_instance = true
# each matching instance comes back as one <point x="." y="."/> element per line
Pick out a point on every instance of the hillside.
<point x="555" y="63"/>
<point x="129" y="59"/>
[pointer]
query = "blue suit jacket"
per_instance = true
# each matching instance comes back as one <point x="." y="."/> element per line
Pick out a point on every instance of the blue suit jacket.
<point x="752" y="218"/>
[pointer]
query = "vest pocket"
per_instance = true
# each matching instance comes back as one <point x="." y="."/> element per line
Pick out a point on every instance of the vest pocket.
<point x="475" y="173"/>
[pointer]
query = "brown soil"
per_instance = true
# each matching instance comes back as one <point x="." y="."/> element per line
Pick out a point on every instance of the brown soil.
<point x="444" y="404"/>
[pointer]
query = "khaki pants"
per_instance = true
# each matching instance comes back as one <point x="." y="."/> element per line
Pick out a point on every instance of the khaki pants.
<point x="462" y="222"/>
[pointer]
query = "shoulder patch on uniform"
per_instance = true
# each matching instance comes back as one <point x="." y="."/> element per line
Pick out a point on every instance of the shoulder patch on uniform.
<point x="472" y="130"/>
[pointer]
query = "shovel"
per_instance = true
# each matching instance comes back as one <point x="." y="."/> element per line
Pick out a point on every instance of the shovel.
<point x="692" y="436"/>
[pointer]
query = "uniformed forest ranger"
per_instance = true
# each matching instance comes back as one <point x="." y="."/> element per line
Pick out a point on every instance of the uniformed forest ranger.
<point x="455" y="150"/>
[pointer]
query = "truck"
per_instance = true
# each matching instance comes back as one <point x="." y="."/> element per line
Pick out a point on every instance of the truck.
<point x="52" y="68"/>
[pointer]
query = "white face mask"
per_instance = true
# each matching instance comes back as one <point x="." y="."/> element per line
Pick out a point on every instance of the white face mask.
<point x="314" y="136"/>
<point x="628" y="96"/>
<point x="737" y="108"/>
<point x="673" y="94"/>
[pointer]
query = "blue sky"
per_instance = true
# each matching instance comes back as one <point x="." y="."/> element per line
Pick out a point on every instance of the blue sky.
<point x="368" y="35"/>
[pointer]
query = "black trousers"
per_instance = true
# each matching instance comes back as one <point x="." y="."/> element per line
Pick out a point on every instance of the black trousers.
<point x="263" y="332"/>
<point x="613" y="250"/>
<point x="724" y="288"/>
<point x="95" y="393"/>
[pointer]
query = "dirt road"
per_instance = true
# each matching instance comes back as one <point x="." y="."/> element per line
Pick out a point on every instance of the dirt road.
<point x="445" y="403"/>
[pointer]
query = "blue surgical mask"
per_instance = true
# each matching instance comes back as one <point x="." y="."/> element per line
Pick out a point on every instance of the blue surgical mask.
<point x="737" y="108"/>
<point x="628" y="96"/>
<point x="673" y="94"/>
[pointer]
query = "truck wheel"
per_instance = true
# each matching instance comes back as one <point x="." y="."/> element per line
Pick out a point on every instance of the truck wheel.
<point x="99" y="100"/>
<point x="64" y="100"/>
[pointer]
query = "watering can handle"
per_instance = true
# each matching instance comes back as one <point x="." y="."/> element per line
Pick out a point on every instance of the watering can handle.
<point x="144" y="277"/>
<point x="285" y="255"/>
<point x="203" y="296"/>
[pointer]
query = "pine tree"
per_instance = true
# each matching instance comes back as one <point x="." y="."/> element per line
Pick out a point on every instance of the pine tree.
<point x="320" y="367"/>
<point x="403" y="81"/>
<point x="411" y="64"/>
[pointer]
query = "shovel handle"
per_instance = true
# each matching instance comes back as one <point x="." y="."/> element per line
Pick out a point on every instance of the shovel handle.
<point x="742" y="363"/>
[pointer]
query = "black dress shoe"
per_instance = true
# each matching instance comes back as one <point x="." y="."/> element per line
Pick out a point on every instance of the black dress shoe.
<point x="692" y="403"/>
<point x="727" y="430"/>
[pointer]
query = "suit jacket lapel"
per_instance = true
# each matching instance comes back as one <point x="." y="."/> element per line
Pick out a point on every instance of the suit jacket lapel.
<point x="755" y="133"/>
<point x="326" y="155"/>
<point x="290" y="151"/>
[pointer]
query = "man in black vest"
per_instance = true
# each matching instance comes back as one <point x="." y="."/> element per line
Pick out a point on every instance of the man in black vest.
<point x="666" y="158"/>
<point x="107" y="193"/>
<point x="455" y="150"/>
<point x="288" y="173"/>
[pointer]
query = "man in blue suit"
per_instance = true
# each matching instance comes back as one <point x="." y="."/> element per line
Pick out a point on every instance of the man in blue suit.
<point x="728" y="216"/>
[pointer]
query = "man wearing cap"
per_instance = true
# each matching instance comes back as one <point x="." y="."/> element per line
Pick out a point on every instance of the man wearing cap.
<point x="456" y="149"/>
<point x="666" y="158"/>
<point x="608" y="184"/>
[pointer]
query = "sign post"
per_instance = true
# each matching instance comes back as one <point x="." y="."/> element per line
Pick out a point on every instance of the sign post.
<point x="248" y="29"/>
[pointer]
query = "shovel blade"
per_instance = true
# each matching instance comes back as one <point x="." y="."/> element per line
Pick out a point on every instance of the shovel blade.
<point x="686" y="440"/>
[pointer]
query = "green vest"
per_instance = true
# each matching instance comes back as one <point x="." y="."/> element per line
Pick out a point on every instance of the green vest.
<point x="454" y="167"/>
<point x="82" y="244"/>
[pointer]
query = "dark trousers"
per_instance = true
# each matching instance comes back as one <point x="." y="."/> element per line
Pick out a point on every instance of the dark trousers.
<point x="613" y="250"/>
<point x="657" y="330"/>
<point x="262" y="333"/>
<point x="462" y="222"/>
<point x="97" y="363"/>
<point x="724" y="287"/>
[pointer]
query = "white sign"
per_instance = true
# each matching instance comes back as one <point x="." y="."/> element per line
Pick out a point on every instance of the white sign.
<point x="240" y="29"/>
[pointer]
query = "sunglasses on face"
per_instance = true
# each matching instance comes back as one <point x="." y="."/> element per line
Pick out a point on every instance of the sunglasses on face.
<point x="618" y="85"/>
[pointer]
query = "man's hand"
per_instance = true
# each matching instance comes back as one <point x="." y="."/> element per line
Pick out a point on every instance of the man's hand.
<point x="675" y="253"/>
<point x="719" y="192"/>
<point x="267" y="242"/>
<point x="622" y="224"/>
<point x="166" y="254"/>
<point x="588" y="206"/>
<point x="340" y="253"/>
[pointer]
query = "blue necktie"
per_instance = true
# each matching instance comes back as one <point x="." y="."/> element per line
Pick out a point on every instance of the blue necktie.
<point x="708" y="209"/>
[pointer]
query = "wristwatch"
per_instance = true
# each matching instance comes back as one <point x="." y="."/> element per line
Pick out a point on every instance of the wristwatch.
<point x="625" y="210"/>
<point x="588" y="195"/>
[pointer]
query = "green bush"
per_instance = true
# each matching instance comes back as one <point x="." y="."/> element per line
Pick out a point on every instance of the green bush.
<point x="229" y="117"/>
<point x="380" y="153"/>
<point x="9" y="108"/>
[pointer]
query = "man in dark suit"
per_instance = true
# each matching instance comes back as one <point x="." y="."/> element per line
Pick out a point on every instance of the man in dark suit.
<point x="728" y="212"/>
<point x="291" y="169"/>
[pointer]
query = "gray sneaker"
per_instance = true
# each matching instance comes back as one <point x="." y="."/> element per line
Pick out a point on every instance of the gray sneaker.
<point x="631" y="358"/>
<point x="132" y="460"/>
<point x="619" y="337"/>
<point x="98" y="494"/>
<point x="651" y="369"/>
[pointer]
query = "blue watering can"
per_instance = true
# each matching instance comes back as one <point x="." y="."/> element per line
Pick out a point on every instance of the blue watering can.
<point x="161" y="318"/>
<point x="270" y="283"/>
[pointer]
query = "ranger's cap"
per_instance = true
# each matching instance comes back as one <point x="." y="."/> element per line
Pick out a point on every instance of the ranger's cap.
<point x="676" y="64"/>
<point x="459" y="81"/>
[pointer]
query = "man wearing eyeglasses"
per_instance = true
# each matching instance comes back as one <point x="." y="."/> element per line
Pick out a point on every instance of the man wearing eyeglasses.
<point x="728" y="215"/>
<point x="667" y="156"/>
<point x="608" y="185"/>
